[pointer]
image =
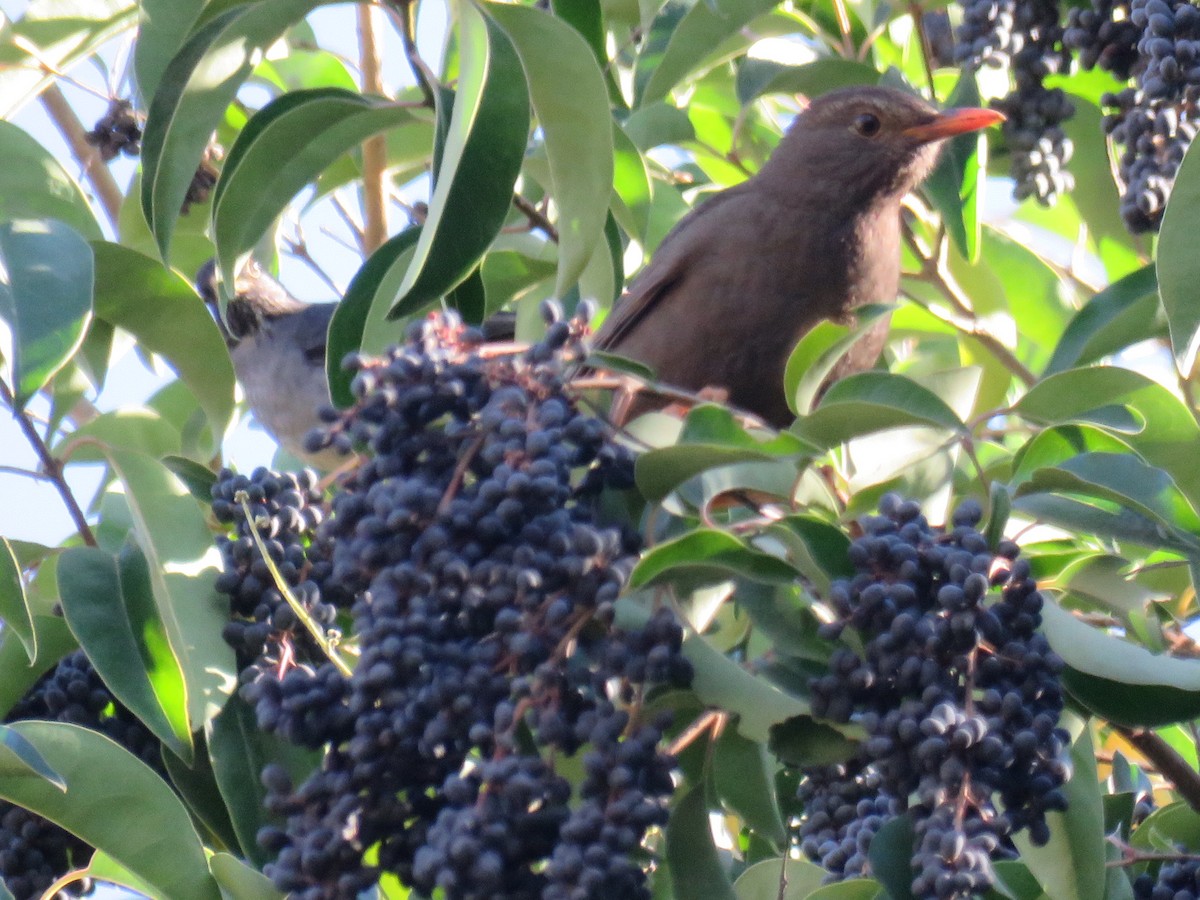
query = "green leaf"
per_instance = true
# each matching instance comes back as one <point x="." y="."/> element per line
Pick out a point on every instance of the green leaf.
<point x="239" y="881"/>
<point x="658" y="124"/>
<point x="744" y="777"/>
<point x="197" y="787"/>
<point x="891" y="856"/>
<point x="19" y="757"/>
<point x="183" y="563"/>
<point x="156" y="841"/>
<point x="14" y="606"/>
<point x="46" y="298"/>
<point x="34" y="185"/>
<point x="1118" y="316"/>
<point x="195" y="89"/>
<point x="1071" y="865"/>
<point x="874" y="401"/>
<point x="1123" y="479"/>
<point x="61" y="33"/>
<point x="763" y="879"/>
<point x="955" y="184"/>
<point x="1120" y="681"/>
<point x="284" y="147"/>
<point x="109" y="604"/>
<point x="696" y="869"/>
<point x="819" y="351"/>
<point x="161" y="309"/>
<point x="576" y="126"/>
<point x="691" y="41"/>
<point x="851" y="889"/>
<point x="1168" y="434"/>
<point x="1178" y="265"/>
<point x="54" y="641"/>
<point x="710" y="552"/>
<point x="485" y="145"/>
<point x="631" y="186"/>
<point x="164" y="26"/>
<point x="368" y="292"/>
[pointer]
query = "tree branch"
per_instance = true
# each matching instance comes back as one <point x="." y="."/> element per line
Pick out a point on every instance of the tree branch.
<point x="1169" y="763"/>
<point x="107" y="191"/>
<point x="404" y="14"/>
<point x="375" y="230"/>
<point x="52" y="467"/>
<point x="537" y="219"/>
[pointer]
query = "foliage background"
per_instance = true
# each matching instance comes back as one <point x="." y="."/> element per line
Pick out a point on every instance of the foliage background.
<point x="1014" y="375"/>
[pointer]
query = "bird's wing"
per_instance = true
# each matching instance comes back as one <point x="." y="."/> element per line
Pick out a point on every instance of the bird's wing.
<point x="667" y="267"/>
<point x="307" y="328"/>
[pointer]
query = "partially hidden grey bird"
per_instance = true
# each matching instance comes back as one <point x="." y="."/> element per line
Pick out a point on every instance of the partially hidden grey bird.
<point x="813" y="234"/>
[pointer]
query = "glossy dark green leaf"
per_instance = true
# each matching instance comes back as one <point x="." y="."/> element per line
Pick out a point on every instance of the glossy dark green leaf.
<point x="1178" y="264"/>
<point x="891" y="856"/>
<point x="164" y="27"/>
<point x="709" y="552"/>
<point x="1168" y="434"/>
<point x="46" y="298"/>
<point x="874" y="401"/>
<point x="199" y="82"/>
<point x="744" y="777"/>
<point x="34" y="185"/>
<point x="14" y="607"/>
<point x="779" y="879"/>
<point x="17" y="673"/>
<point x="576" y="127"/>
<point x="1118" y="680"/>
<point x="1118" y="316"/>
<point x="1123" y="479"/>
<point x="284" y="147"/>
<point x="819" y="352"/>
<point x="1071" y="865"/>
<point x="485" y="145"/>
<point x="156" y="840"/>
<point x="109" y="603"/>
<point x="197" y="787"/>
<point x="957" y="180"/>
<point x="757" y="77"/>
<point x="367" y="292"/>
<point x="1054" y="445"/>
<point x="161" y="309"/>
<point x="696" y="869"/>
<point x="691" y="40"/>
<point x="183" y="563"/>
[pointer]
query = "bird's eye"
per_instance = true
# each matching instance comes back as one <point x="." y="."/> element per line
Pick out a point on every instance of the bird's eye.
<point x="867" y="124"/>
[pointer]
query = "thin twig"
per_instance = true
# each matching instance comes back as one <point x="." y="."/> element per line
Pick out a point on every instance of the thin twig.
<point x="297" y="247"/>
<point x="403" y="13"/>
<point x="537" y="219"/>
<point x="53" y="468"/>
<point x="60" y="112"/>
<point x="348" y="217"/>
<point x="374" y="151"/>
<point x="25" y="473"/>
<point x="1170" y="764"/>
<point x="918" y="16"/>
<point x="843" y="20"/>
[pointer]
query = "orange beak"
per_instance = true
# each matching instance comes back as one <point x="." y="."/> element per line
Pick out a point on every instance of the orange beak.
<point x="954" y="121"/>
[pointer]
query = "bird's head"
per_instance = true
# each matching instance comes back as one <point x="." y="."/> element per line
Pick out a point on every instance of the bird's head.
<point x="256" y="295"/>
<point x="869" y="143"/>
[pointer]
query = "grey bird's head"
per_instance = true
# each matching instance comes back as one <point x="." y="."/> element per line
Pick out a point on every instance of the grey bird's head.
<point x="277" y="344"/>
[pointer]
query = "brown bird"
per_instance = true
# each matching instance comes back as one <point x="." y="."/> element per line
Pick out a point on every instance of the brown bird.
<point x="812" y="235"/>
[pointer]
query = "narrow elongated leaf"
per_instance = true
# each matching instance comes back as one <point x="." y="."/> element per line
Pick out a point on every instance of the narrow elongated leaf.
<point x="631" y="185"/>
<point x="955" y="184"/>
<point x="744" y="776"/>
<point x="576" y="126"/>
<point x="183" y="565"/>
<point x="34" y="185"/>
<point x="109" y="604"/>
<point x="368" y="291"/>
<point x="14" y="608"/>
<point x="129" y="286"/>
<point x="1178" y="264"/>
<point x="197" y="85"/>
<point x="485" y="144"/>
<point x="164" y="28"/>
<point x="874" y="401"/>
<point x="239" y="881"/>
<point x="1118" y="680"/>
<point x="284" y="147"/>
<point x="696" y="870"/>
<point x="1071" y="865"/>
<point x="45" y="296"/>
<point x="1121" y="314"/>
<point x="709" y="551"/>
<point x="156" y="840"/>
<point x="758" y="77"/>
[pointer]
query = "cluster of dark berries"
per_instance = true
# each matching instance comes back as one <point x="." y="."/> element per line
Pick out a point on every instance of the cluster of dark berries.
<point x="483" y="581"/>
<point x="1178" y="880"/>
<point x="958" y="693"/>
<point x="35" y="852"/>
<point x="285" y="673"/>
<point x="117" y="131"/>
<point x="1025" y="36"/>
<point x="1104" y="37"/>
